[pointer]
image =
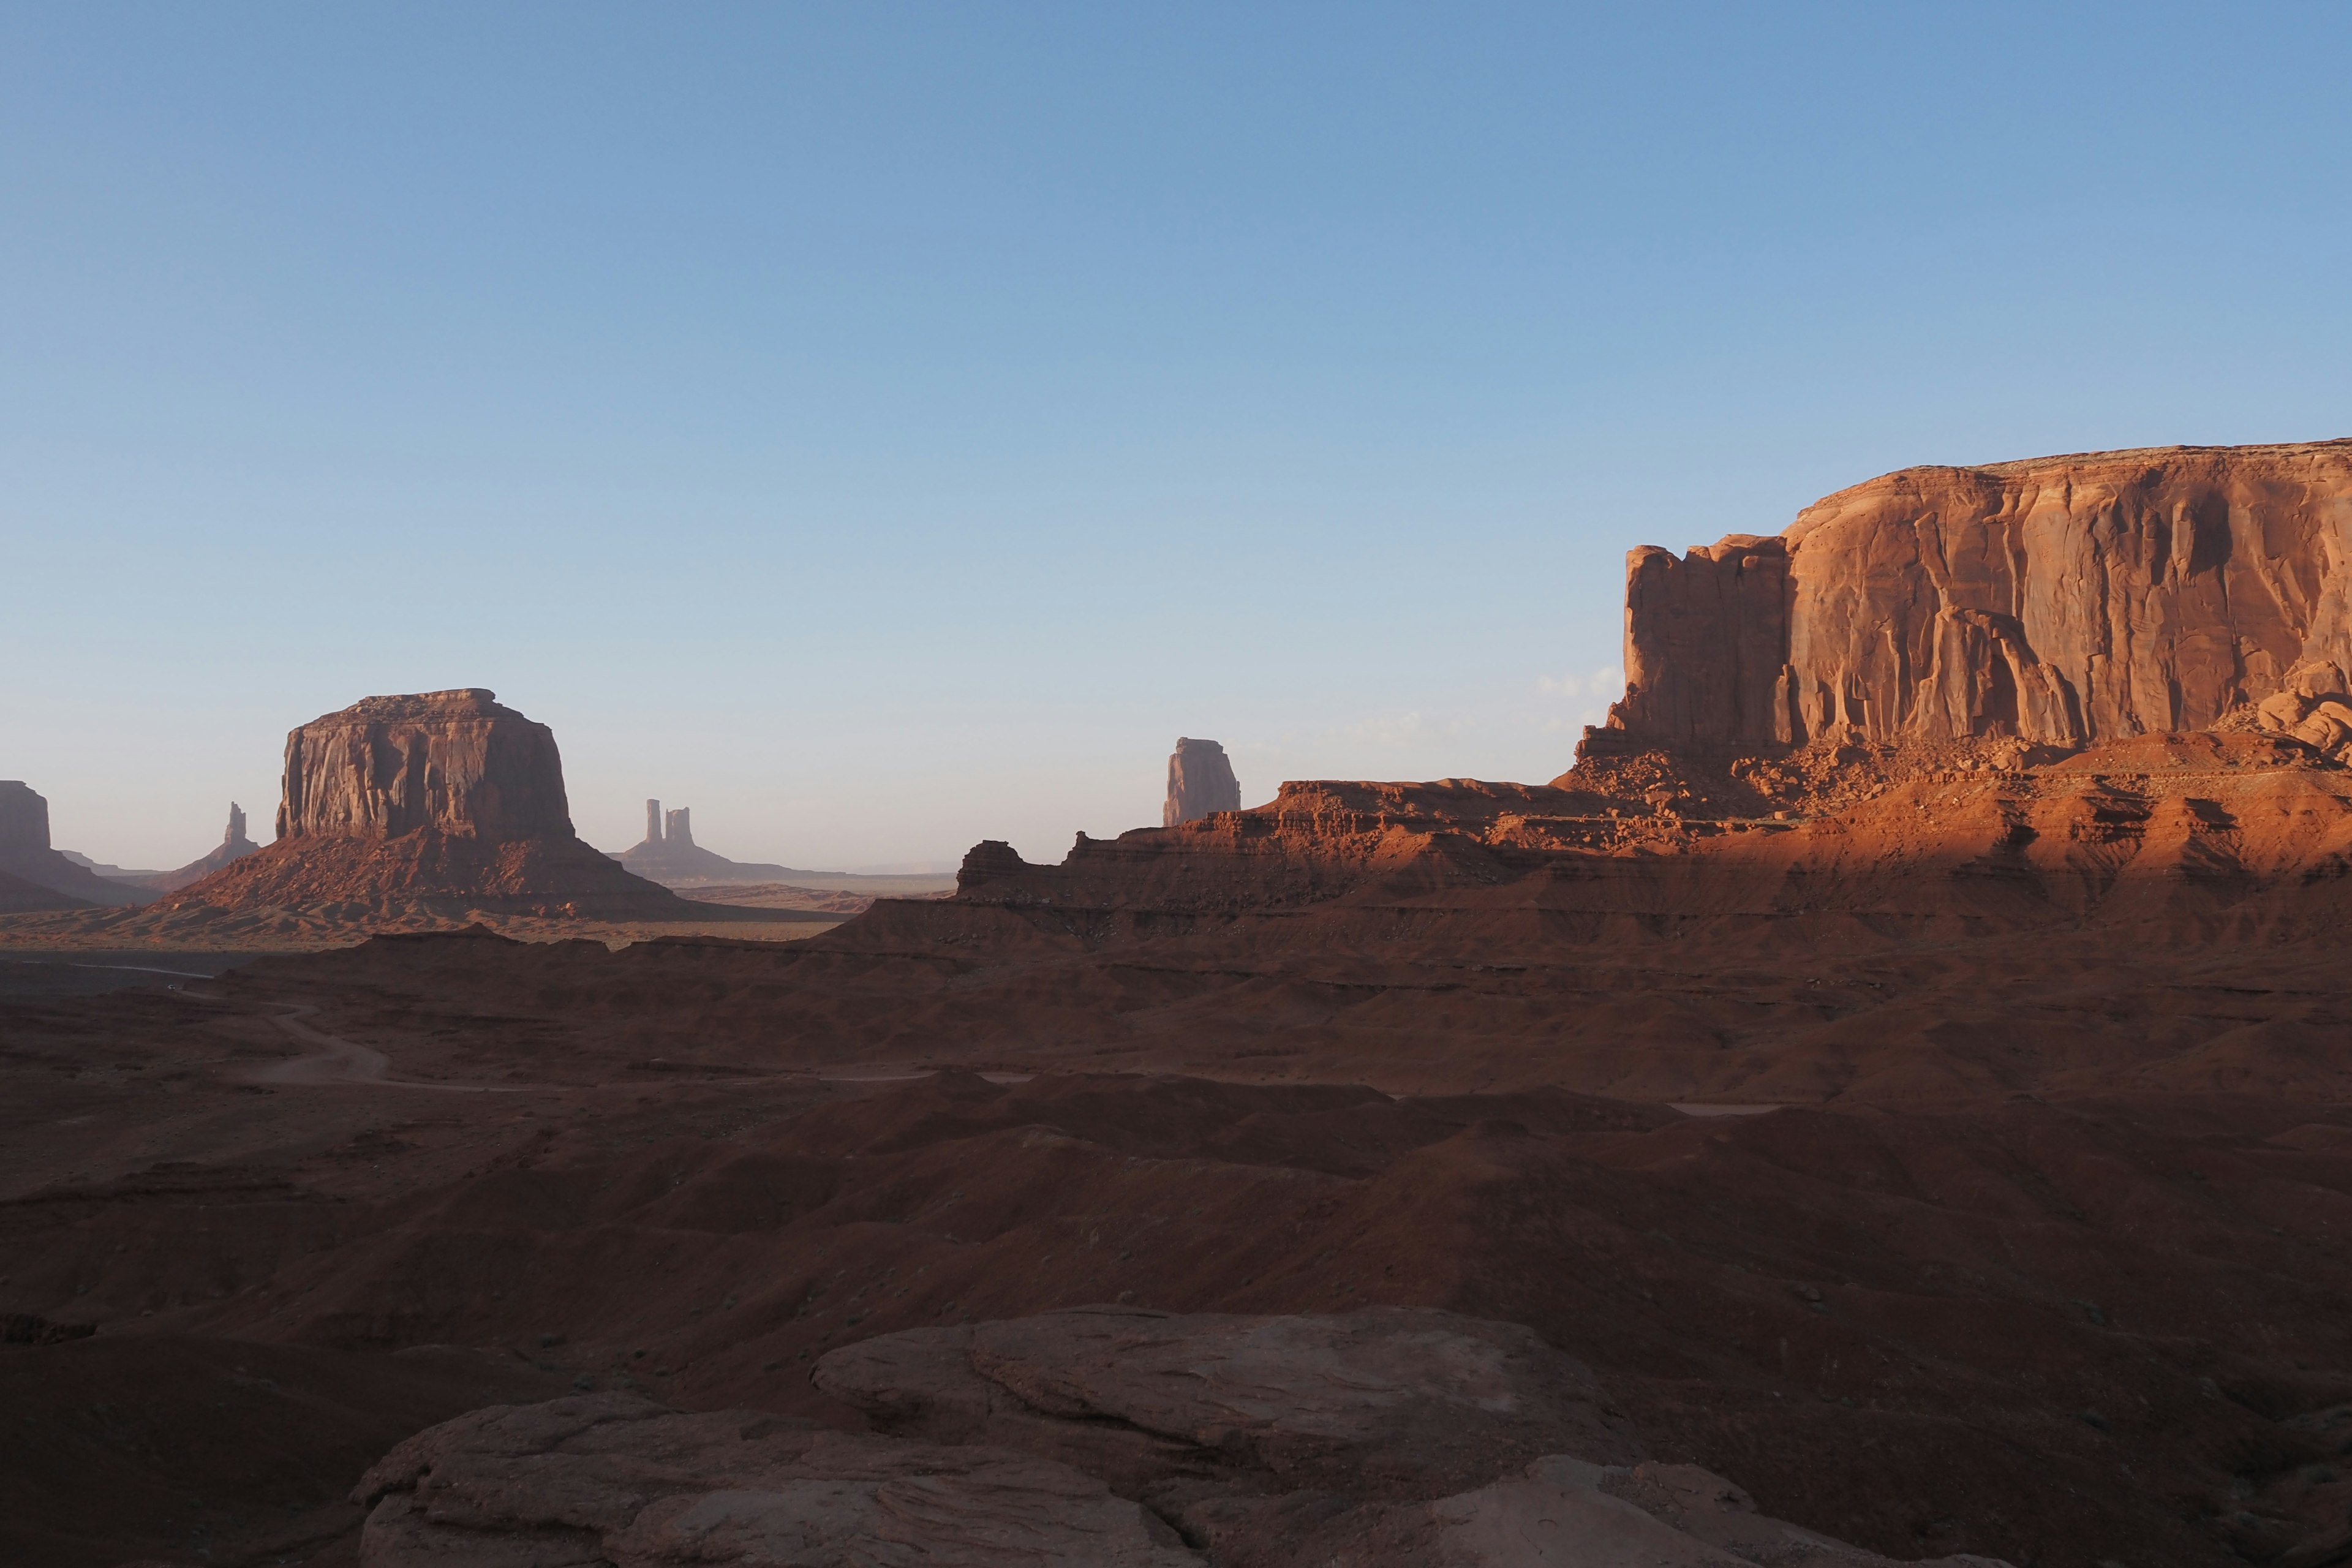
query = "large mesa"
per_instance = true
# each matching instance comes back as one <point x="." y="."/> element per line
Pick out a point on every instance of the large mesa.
<point x="443" y="801"/>
<point x="2066" y="601"/>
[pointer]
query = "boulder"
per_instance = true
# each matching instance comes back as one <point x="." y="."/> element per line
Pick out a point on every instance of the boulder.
<point x="2065" y="601"/>
<point x="1200" y="782"/>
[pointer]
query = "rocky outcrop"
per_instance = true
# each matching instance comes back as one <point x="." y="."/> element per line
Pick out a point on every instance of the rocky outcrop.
<point x="2063" y="601"/>
<point x="615" y="1478"/>
<point x="446" y="802"/>
<point x="671" y="856"/>
<point x="454" y="762"/>
<point x="42" y="876"/>
<point x="233" y="846"/>
<point x="1200" y="782"/>
<point x="1101" y="1435"/>
<point x="23" y="821"/>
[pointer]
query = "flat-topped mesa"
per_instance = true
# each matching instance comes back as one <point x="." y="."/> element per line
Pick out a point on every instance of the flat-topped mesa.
<point x="455" y="761"/>
<point x="1200" y="782"/>
<point x="442" y="801"/>
<point x="2063" y="601"/>
<point x="671" y="856"/>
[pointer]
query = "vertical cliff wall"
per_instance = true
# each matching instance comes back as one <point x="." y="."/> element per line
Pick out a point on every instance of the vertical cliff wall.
<point x="455" y="761"/>
<point x="1200" y="780"/>
<point x="2062" y="600"/>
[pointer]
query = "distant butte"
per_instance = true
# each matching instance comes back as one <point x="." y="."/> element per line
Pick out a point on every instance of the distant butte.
<point x="445" y="801"/>
<point x="671" y="856"/>
<point x="1199" y="783"/>
<point x="39" y="876"/>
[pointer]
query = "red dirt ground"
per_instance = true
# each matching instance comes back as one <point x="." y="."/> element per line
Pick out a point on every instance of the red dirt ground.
<point x="2042" y="1255"/>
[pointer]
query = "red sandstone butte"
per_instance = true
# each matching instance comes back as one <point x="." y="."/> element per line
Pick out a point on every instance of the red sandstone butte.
<point x="443" y="800"/>
<point x="1200" y="782"/>
<point x="2067" y="600"/>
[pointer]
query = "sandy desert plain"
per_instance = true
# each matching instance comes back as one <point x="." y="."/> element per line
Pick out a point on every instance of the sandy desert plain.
<point x="1891" y="1100"/>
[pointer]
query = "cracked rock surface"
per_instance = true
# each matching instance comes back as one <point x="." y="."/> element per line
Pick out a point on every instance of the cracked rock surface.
<point x="1109" y="1435"/>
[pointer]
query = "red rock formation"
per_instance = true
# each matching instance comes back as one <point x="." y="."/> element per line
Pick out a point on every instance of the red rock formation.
<point x="50" y="882"/>
<point x="233" y="846"/>
<point x="1200" y="780"/>
<point x="457" y="761"/>
<point x="2062" y="600"/>
<point x="446" y="800"/>
<point x="671" y="856"/>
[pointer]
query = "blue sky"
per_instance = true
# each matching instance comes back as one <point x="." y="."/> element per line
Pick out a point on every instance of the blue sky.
<point x="884" y="427"/>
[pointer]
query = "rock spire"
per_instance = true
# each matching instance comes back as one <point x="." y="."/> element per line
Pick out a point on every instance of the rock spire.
<point x="1200" y="780"/>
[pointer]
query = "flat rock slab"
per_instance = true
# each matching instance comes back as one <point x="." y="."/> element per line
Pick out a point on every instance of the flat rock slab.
<point x="1103" y="1436"/>
<point x="612" y="1478"/>
<point x="1387" y="1401"/>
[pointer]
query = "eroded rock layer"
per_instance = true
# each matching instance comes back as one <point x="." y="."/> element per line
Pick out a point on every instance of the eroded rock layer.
<point x="457" y="761"/>
<point x="2062" y="600"/>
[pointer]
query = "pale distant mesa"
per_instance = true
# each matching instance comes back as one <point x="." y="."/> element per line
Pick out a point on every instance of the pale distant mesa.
<point x="36" y="876"/>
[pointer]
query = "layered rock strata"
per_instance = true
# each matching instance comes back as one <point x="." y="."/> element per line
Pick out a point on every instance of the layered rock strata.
<point x="2064" y="601"/>
<point x="443" y="800"/>
<point x="1199" y="783"/>
<point x="454" y="762"/>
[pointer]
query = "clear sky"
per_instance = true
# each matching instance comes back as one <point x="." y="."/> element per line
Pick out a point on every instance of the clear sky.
<point x="883" y="426"/>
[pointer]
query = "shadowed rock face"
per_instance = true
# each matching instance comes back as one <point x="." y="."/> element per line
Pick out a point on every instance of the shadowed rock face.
<point x="453" y="760"/>
<point x="2062" y="600"/>
<point x="39" y="877"/>
<point x="233" y="846"/>
<point x="24" y="819"/>
<point x="1096" y="1437"/>
<point x="1200" y="780"/>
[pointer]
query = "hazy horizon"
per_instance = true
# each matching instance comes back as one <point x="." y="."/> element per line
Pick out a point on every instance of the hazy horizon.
<point x="882" y="430"/>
